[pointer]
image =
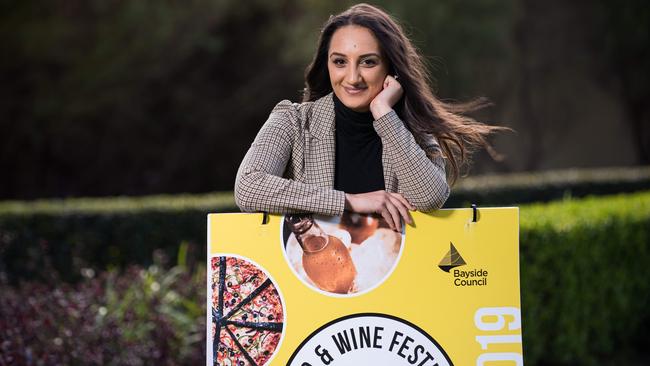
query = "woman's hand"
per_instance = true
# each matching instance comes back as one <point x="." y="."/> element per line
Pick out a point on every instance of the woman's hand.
<point x="386" y="99"/>
<point x="393" y="207"/>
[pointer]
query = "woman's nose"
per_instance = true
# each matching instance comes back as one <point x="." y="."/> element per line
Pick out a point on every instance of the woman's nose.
<point x="353" y="75"/>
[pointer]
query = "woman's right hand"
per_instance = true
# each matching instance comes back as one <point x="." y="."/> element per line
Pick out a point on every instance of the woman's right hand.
<point x="393" y="207"/>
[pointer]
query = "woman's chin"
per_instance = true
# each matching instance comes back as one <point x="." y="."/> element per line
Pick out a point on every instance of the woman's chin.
<point x="356" y="104"/>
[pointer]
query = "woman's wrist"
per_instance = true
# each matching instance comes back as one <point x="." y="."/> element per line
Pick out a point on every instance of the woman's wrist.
<point x="380" y="110"/>
<point x="348" y="204"/>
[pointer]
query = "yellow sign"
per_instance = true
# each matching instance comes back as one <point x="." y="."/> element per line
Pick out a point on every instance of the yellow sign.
<point x="308" y="290"/>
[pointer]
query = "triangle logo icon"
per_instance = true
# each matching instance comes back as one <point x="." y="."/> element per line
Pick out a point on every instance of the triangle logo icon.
<point x="452" y="259"/>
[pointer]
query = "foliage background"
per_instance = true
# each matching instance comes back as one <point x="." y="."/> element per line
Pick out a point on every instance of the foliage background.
<point x="119" y="98"/>
<point x="133" y="97"/>
<point x="580" y="304"/>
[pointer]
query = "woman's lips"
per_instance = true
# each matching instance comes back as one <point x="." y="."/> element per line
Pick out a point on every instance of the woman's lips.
<point x="354" y="91"/>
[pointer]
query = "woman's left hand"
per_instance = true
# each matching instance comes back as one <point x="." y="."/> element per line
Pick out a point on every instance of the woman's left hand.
<point x="386" y="99"/>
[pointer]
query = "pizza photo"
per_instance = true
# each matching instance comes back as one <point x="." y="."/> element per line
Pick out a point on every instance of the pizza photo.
<point x="247" y="313"/>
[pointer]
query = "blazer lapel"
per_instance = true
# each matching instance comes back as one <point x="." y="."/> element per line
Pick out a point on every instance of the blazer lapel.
<point x="320" y="163"/>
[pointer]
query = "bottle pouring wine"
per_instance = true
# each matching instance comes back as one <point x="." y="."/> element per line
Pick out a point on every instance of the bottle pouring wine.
<point x="325" y="258"/>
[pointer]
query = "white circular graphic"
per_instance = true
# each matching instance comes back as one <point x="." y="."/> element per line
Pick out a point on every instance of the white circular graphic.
<point x="369" y="339"/>
<point x="359" y="254"/>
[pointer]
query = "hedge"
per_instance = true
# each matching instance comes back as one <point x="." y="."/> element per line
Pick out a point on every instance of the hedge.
<point x="584" y="276"/>
<point x="71" y="234"/>
<point x="585" y="280"/>
<point x="545" y="186"/>
<point x="60" y="238"/>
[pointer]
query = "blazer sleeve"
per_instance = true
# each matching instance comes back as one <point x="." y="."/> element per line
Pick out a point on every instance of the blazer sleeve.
<point x="421" y="180"/>
<point x="260" y="185"/>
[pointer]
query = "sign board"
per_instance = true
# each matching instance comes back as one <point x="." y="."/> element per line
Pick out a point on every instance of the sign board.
<point x="308" y="290"/>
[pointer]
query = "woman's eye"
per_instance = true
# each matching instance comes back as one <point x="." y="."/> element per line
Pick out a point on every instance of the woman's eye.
<point x="338" y="62"/>
<point x="369" y="62"/>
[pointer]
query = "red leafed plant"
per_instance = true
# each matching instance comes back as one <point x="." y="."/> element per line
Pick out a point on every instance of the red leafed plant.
<point x="133" y="317"/>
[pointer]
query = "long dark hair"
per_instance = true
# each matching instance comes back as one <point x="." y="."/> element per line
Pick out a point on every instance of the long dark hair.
<point x="423" y="113"/>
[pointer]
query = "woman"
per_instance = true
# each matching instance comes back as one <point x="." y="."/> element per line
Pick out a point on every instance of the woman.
<point x="369" y="136"/>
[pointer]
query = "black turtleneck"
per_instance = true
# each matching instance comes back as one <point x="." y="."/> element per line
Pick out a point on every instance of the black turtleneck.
<point x="358" y="151"/>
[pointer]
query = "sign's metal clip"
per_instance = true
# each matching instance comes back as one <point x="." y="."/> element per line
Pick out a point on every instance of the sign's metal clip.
<point x="474" y="212"/>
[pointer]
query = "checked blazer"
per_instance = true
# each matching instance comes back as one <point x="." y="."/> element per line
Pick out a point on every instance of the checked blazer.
<point x="289" y="168"/>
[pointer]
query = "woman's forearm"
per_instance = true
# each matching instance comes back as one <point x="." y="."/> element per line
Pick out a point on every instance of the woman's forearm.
<point x="262" y="191"/>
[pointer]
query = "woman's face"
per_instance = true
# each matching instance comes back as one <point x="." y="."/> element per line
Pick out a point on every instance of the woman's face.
<point x="356" y="66"/>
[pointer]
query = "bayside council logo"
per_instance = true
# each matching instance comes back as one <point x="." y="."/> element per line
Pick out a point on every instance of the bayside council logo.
<point x="462" y="278"/>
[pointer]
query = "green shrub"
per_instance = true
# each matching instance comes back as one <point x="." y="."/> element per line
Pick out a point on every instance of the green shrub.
<point x="519" y="188"/>
<point x="585" y="280"/>
<point x="61" y="237"/>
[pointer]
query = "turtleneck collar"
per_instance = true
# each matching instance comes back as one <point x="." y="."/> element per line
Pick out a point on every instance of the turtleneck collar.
<point x="348" y="116"/>
<point x="359" y="151"/>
